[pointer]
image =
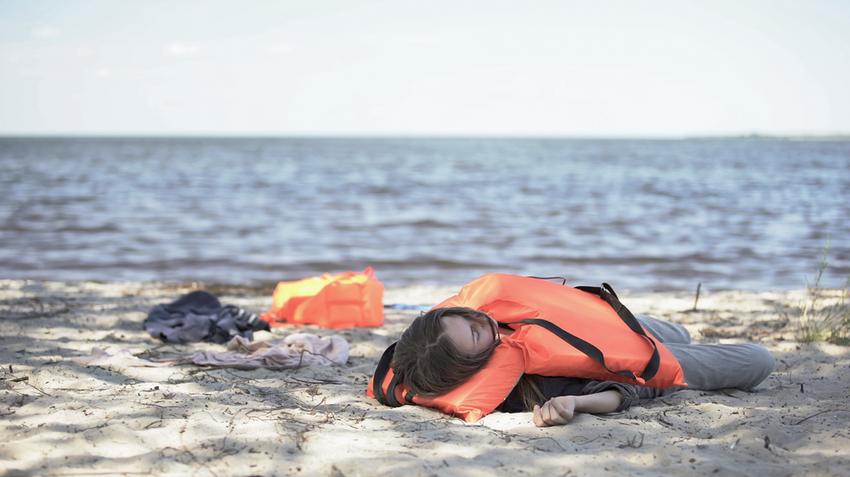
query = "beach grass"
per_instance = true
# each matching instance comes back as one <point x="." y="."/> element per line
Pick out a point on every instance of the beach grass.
<point x="824" y="314"/>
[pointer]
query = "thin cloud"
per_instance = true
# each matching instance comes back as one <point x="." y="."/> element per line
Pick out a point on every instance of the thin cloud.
<point x="279" y="48"/>
<point x="182" y="49"/>
<point x="103" y="72"/>
<point x="45" y="32"/>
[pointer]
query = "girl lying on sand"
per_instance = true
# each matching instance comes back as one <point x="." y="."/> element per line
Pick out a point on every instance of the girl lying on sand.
<point x="512" y="344"/>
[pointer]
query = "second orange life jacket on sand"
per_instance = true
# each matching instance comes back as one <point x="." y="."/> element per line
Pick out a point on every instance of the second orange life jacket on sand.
<point x="582" y="332"/>
<point x="343" y="300"/>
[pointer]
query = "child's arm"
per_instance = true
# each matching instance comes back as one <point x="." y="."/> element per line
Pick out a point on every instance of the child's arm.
<point x="561" y="409"/>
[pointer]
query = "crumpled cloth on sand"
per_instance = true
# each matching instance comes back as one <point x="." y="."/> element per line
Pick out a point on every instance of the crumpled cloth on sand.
<point x="294" y="351"/>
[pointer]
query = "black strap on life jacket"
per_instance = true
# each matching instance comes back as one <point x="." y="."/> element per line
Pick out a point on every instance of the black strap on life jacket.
<point x="388" y="398"/>
<point x="607" y="294"/>
<point x="563" y="279"/>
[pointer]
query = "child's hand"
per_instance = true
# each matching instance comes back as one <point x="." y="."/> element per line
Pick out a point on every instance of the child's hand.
<point x="554" y="412"/>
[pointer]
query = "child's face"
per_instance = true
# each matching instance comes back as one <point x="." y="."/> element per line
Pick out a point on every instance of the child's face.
<point x="470" y="336"/>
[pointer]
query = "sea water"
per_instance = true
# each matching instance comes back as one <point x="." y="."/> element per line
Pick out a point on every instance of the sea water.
<point x="749" y="213"/>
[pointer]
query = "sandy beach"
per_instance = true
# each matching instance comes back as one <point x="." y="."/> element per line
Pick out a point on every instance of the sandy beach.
<point x="61" y="418"/>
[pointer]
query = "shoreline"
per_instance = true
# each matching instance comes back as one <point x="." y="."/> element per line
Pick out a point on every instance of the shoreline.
<point x="258" y="288"/>
<point x="60" y="417"/>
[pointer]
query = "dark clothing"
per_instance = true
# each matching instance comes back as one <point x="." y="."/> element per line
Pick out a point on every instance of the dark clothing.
<point x="199" y="316"/>
<point x="555" y="386"/>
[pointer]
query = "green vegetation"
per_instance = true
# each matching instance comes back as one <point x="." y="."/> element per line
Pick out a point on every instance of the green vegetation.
<point x="824" y="313"/>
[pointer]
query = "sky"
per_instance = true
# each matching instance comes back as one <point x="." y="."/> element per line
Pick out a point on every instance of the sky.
<point x="399" y="67"/>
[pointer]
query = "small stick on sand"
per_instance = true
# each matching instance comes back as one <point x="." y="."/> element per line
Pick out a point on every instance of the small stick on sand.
<point x="696" y="298"/>
<point x="818" y="414"/>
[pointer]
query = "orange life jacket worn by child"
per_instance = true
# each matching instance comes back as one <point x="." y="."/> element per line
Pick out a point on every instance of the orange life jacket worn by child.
<point x="582" y="332"/>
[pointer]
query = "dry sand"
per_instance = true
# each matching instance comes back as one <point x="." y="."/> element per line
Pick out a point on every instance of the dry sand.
<point x="59" y="418"/>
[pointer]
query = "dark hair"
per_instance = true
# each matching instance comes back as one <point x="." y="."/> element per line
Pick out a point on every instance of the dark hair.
<point x="529" y="391"/>
<point x="428" y="363"/>
<point x="425" y="359"/>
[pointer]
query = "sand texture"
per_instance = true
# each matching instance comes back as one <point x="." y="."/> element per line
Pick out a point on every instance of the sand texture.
<point x="60" y="418"/>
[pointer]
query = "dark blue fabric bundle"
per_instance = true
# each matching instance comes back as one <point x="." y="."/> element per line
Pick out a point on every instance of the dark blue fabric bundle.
<point x="200" y="316"/>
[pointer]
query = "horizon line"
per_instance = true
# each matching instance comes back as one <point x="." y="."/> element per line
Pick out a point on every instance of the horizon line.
<point x="648" y="137"/>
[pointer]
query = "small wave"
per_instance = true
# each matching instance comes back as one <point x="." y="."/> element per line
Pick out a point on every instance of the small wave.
<point x="421" y="223"/>
<point x="45" y="227"/>
<point x="379" y="265"/>
<point x="121" y="264"/>
<point x="416" y="224"/>
<point x="434" y="263"/>
<point x="625" y="260"/>
<point x="87" y="230"/>
<point x="381" y="190"/>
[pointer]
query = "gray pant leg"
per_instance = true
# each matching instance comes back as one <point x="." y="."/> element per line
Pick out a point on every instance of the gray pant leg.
<point x="718" y="366"/>
<point x="710" y="366"/>
<point x="666" y="332"/>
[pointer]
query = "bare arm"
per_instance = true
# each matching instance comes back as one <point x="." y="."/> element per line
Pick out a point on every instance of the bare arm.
<point x="561" y="409"/>
<point x="599" y="403"/>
